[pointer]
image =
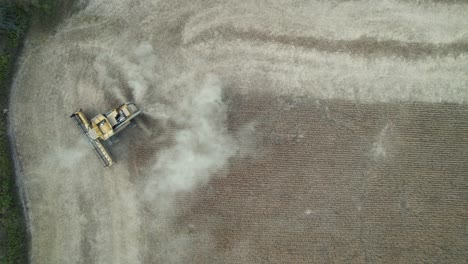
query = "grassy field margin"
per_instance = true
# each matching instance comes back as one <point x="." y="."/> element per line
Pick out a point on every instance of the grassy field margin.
<point x="13" y="232"/>
<point x="15" y="18"/>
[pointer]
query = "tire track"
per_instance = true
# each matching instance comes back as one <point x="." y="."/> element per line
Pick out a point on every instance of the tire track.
<point x="364" y="46"/>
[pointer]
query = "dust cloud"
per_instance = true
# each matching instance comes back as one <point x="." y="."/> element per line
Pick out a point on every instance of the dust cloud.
<point x="202" y="146"/>
<point x="201" y="143"/>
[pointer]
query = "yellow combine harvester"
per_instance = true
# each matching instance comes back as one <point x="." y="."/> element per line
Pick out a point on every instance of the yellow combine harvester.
<point x="103" y="126"/>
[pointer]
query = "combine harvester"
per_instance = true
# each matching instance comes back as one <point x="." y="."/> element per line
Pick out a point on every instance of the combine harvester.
<point x="103" y="126"/>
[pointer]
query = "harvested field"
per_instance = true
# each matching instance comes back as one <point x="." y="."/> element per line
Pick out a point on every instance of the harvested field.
<point x="274" y="132"/>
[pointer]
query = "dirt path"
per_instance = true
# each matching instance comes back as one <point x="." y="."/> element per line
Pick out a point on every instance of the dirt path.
<point x="274" y="132"/>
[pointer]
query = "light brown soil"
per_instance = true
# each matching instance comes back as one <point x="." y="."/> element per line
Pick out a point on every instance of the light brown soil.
<point x="274" y="132"/>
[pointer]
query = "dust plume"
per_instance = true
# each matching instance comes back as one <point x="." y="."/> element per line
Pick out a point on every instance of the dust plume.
<point x="200" y="144"/>
<point x="134" y="72"/>
<point x="201" y="147"/>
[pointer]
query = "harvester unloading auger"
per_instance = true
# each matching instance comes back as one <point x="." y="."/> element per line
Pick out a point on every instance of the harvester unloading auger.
<point x="103" y="126"/>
